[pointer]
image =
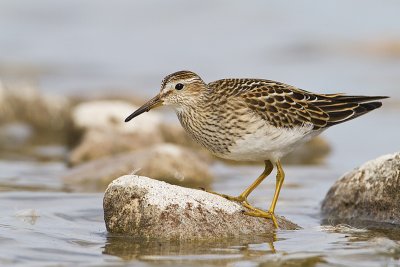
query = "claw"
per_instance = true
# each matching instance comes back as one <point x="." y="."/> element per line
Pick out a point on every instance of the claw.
<point x="254" y="212"/>
<point x="242" y="198"/>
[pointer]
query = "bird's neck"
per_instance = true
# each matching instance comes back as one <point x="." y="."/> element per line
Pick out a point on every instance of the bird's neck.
<point x="193" y="106"/>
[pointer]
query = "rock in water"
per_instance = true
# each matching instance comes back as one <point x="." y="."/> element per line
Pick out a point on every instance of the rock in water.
<point x="167" y="162"/>
<point x="145" y="208"/>
<point x="368" y="193"/>
<point x="314" y="152"/>
<point x="105" y="133"/>
<point x="44" y="112"/>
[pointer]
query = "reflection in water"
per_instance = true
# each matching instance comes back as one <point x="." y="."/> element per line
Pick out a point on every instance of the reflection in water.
<point x="217" y="251"/>
<point x="360" y="226"/>
<point x="365" y="231"/>
<point x="380" y="240"/>
<point x="259" y="249"/>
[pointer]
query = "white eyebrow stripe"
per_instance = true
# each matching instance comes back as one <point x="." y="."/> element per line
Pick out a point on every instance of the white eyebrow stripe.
<point x="190" y="80"/>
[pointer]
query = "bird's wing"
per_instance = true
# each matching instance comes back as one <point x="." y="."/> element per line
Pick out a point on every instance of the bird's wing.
<point x="286" y="106"/>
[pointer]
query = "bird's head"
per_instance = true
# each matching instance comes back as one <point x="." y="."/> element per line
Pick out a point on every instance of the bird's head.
<point x="179" y="89"/>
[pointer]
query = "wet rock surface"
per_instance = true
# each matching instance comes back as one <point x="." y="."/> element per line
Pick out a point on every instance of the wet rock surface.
<point x="368" y="193"/>
<point x="167" y="162"/>
<point x="145" y="208"/>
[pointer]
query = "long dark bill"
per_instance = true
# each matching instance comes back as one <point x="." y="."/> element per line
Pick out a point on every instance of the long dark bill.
<point x="152" y="103"/>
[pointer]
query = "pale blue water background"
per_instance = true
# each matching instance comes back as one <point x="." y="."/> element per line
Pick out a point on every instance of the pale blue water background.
<point x="101" y="47"/>
<point x="97" y="44"/>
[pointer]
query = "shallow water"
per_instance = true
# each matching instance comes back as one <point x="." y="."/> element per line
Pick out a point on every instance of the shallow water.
<point x="47" y="227"/>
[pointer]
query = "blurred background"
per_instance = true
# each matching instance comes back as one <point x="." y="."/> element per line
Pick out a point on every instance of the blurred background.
<point x="90" y="46"/>
<point x="71" y="71"/>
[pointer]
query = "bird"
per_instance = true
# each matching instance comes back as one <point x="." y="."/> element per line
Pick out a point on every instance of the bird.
<point x="248" y="119"/>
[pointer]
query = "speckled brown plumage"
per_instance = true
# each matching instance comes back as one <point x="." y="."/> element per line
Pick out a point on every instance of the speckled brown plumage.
<point x="218" y="119"/>
<point x="283" y="105"/>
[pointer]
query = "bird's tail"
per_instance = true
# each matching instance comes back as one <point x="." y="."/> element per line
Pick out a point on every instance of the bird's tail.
<point x="342" y="108"/>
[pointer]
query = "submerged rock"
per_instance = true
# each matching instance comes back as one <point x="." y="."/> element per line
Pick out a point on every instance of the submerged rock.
<point x="168" y="162"/>
<point x="145" y="208"/>
<point x="368" y="193"/>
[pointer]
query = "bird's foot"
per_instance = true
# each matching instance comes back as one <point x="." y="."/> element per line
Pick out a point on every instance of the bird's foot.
<point x="239" y="198"/>
<point x="255" y="212"/>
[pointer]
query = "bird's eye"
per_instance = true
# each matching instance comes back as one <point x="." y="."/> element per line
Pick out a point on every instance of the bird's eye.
<point x="179" y="86"/>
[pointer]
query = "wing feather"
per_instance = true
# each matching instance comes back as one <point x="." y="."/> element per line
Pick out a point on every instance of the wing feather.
<point x="286" y="106"/>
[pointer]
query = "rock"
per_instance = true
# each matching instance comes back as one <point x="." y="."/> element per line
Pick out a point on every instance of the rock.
<point x="23" y="103"/>
<point x="175" y="164"/>
<point x="110" y="115"/>
<point x="368" y="193"/>
<point x="168" y="162"/>
<point x="145" y="208"/>
<point x="98" y="144"/>
<point x="30" y="120"/>
<point x="105" y="132"/>
<point x="174" y="133"/>
<point x="314" y="152"/>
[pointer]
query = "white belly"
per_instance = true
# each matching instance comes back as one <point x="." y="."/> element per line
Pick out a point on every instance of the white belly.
<point x="269" y="143"/>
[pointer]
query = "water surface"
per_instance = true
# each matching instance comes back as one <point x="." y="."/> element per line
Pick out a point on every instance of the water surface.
<point x="49" y="227"/>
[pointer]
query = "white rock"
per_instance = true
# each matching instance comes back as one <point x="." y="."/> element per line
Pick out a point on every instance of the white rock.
<point x="106" y="115"/>
<point x="105" y="132"/>
<point x="369" y="193"/>
<point x="162" y="195"/>
<point x="145" y="208"/>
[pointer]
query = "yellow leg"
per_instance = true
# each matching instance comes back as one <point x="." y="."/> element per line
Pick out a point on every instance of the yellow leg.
<point x="280" y="177"/>
<point x="243" y="196"/>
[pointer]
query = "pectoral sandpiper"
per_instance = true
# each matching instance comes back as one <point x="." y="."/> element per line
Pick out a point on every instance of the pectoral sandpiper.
<point x="253" y="120"/>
